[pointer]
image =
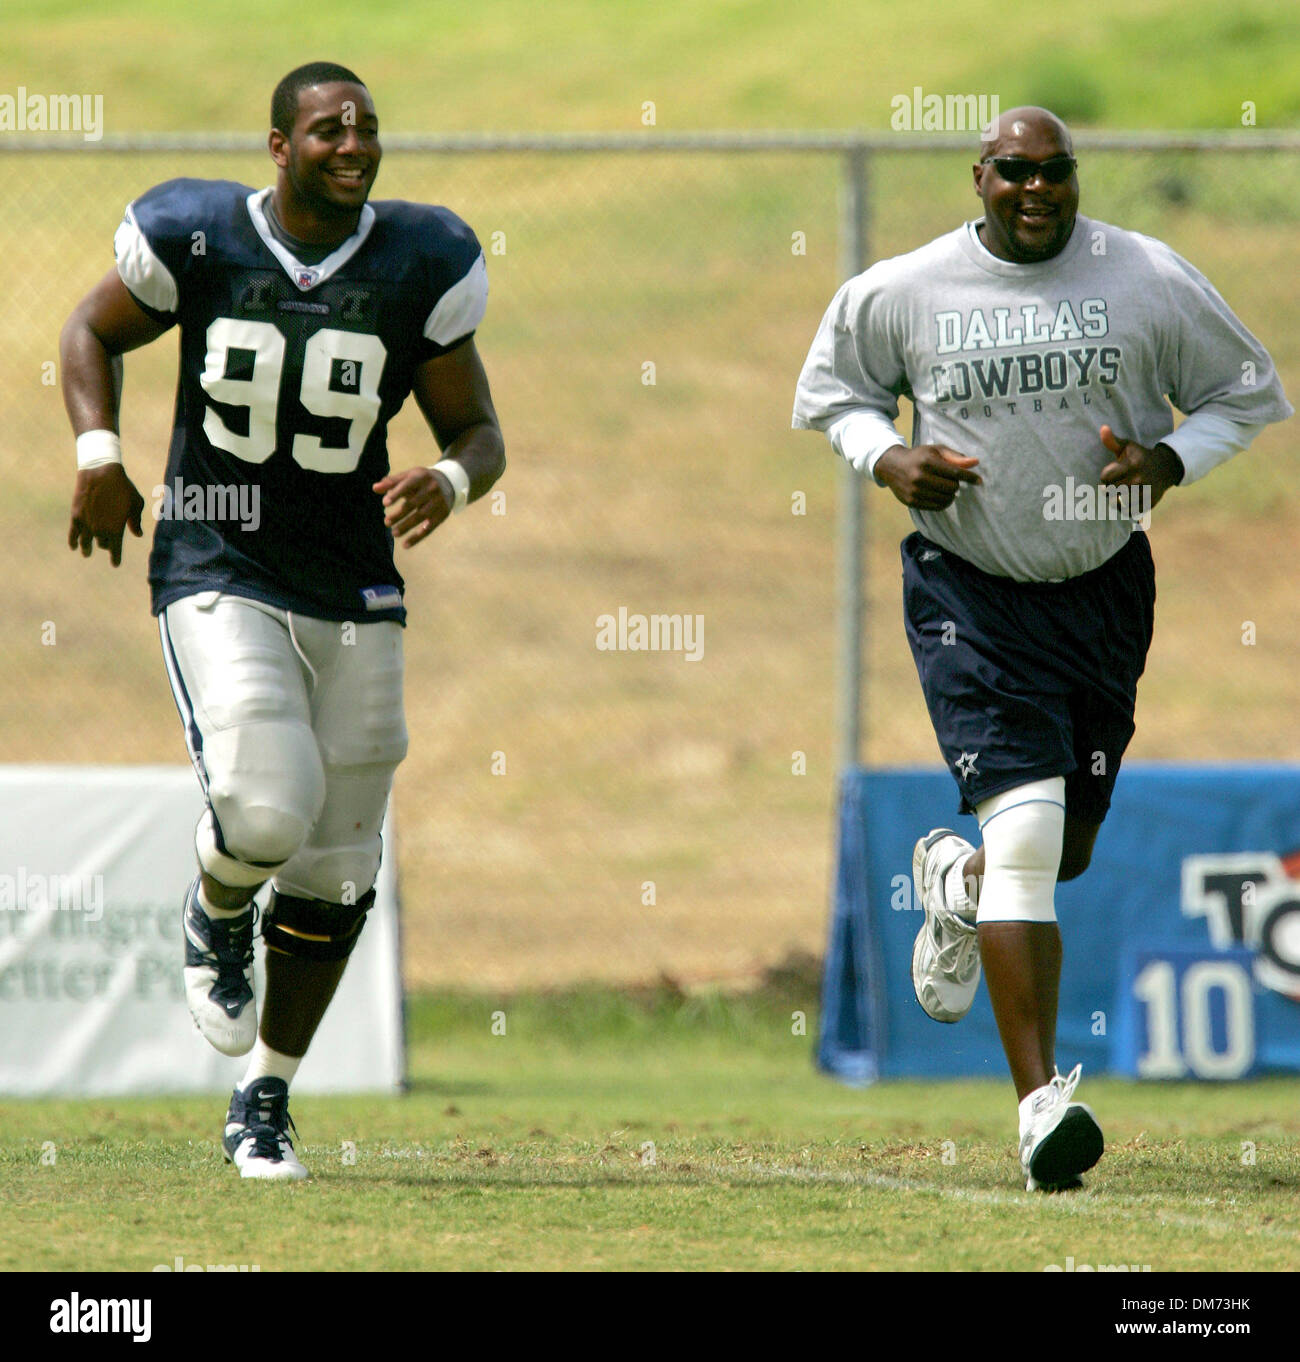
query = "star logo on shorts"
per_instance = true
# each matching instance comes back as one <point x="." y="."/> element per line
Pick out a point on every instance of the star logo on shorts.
<point x="966" y="764"/>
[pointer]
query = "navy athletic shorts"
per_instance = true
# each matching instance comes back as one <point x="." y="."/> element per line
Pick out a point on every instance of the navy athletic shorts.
<point x="1026" y="680"/>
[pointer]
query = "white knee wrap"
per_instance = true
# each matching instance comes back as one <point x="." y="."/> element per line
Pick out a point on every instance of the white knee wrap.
<point x="1023" y="833"/>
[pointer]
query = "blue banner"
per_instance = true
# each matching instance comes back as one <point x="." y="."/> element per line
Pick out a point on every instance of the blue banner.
<point x="1182" y="939"/>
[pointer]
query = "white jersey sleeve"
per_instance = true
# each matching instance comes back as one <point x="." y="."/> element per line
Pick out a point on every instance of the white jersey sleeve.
<point x="141" y="268"/>
<point x="856" y="360"/>
<point x="461" y="308"/>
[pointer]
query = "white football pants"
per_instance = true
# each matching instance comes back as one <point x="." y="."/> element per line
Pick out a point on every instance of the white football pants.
<point x="295" y="727"/>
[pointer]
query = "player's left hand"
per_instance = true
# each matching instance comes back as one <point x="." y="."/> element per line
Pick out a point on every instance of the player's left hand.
<point x="1135" y="465"/>
<point x="104" y="503"/>
<point x="416" y="502"/>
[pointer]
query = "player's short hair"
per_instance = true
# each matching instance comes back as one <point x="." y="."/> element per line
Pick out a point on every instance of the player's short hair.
<point x="284" y="102"/>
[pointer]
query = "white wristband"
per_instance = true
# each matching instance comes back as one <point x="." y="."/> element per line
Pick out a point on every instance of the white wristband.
<point x="98" y="447"/>
<point x="459" y="480"/>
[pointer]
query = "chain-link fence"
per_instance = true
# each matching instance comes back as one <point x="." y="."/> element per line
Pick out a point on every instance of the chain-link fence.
<point x="571" y="810"/>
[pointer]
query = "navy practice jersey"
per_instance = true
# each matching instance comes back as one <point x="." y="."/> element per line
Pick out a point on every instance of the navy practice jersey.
<point x="289" y="375"/>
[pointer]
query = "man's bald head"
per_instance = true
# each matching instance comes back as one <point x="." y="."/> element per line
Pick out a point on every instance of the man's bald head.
<point x="1018" y="126"/>
<point x="1028" y="214"/>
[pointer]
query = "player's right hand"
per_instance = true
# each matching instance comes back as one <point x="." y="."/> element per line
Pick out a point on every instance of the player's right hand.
<point x="926" y="477"/>
<point x="104" y="503"/>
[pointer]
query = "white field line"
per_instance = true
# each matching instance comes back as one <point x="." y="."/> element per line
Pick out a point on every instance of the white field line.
<point x="1071" y="1203"/>
<point x="1143" y="1207"/>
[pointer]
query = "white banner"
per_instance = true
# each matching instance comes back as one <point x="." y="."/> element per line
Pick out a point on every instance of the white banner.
<point x="94" y="865"/>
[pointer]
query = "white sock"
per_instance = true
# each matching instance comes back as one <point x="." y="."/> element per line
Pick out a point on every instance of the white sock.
<point x="264" y="1062"/>
<point x="955" y="890"/>
<point x="220" y="914"/>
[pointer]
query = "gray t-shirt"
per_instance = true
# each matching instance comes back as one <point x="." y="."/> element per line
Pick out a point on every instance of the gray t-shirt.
<point x="1020" y="365"/>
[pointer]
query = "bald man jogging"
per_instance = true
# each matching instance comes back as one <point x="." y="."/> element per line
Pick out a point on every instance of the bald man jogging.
<point x="1038" y="347"/>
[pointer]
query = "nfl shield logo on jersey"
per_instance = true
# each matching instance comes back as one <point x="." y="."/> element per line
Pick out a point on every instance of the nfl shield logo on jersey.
<point x="305" y="278"/>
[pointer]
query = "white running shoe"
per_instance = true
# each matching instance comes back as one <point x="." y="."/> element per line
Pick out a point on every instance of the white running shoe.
<point x="256" y="1138"/>
<point x="946" y="957"/>
<point x="1063" y="1138"/>
<point x="219" y="976"/>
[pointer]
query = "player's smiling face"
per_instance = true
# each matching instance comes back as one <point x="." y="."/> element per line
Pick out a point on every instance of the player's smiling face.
<point x="329" y="162"/>
<point x="1031" y="219"/>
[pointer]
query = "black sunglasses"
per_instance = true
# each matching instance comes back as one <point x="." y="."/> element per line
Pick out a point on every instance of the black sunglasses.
<point x="1018" y="169"/>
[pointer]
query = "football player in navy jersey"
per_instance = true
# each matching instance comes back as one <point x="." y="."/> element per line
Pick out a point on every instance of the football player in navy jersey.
<point x="306" y="315"/>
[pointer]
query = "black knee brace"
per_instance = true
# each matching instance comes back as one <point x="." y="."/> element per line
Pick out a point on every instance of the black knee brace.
<point x="314" y="929"/>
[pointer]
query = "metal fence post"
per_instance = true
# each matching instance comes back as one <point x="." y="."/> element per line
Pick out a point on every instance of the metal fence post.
<point x="850" y="548"/>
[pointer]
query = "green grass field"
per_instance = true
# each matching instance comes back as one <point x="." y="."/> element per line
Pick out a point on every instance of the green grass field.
<point x="581" y="64"/>
<point x="653" y="1132"/>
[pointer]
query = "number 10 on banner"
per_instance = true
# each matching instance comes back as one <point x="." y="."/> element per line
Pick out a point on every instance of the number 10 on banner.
<point x="1187" y="1014"/>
